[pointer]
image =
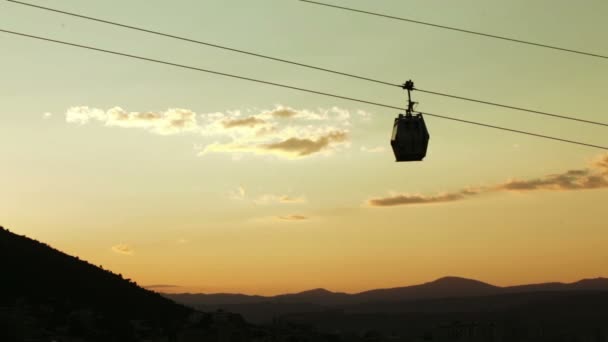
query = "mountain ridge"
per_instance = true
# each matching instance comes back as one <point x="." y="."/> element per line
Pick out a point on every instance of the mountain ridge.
<point x="446" y="294"/>
<point x="598" y="283"/>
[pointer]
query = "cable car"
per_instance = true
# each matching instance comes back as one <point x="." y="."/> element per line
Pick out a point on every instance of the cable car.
<point x="410" y="137"/>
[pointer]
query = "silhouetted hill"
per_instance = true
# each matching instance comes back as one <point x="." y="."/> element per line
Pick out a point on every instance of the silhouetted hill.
<point x="39" y="272"/>
<point x="440" y="288"/>
<point x="197" y="299"/>
<point x="44" y="285"/>
<point x="316" y="296"/>
<point x="600" y="284"/>
<point x="448" y="294"/>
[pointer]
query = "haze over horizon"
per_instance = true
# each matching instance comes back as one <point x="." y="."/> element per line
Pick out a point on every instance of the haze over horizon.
<point x="211" y="185"/>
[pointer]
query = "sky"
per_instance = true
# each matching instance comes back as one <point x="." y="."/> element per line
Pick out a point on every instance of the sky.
<point x="209" y="184"/>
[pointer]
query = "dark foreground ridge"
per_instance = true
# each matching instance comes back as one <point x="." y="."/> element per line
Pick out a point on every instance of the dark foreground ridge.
<point x="47" y="295"/>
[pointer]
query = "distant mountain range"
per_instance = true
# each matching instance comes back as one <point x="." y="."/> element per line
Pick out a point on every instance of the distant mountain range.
<point x="441" y="295"/>
<point x="447" y="287"/>
<point x="47" y="295"/>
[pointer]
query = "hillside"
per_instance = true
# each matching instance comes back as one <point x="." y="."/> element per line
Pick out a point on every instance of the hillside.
<point x="43" y="287"/>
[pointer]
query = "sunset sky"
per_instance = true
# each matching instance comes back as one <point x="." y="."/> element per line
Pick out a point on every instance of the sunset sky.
<point x="210" y="184"/>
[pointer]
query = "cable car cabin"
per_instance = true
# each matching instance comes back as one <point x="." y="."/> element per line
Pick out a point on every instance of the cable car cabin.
<point x="410" y="138"/>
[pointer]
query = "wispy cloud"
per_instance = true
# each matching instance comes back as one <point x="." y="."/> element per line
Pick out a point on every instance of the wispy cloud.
<point x="267" y="199"/>
<point x="405" y="199"/>
<point x="601" y="163"/>
<point x="304" y="147"/>
<point x="292" y="218"/>
<point x="123" y="249"/>
<point x="251" y="121"/>
<point x="593" y="177"/>
<point x="238" y="194"/>
<point x="282" y="131"/>
<point x="365" y="116"/>
<point x="160" y="286"/>
<point x="377" y="149"/>
<point x="290" y="148"/>
<point x="570" y="180"/>
<point x="172" y="121"/>
<point x="47" y="115"/>
<point x="283" y="113"/>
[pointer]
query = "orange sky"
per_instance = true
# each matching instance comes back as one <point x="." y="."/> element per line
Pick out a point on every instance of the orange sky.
<point x="210" y="184"/>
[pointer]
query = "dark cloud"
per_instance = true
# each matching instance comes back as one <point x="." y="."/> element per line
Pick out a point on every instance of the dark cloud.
<point x="251" y="121"/>
<point x="594" y="177"/>
<point x="405" y="199"/>
<point x="284" y="113"/>
<point x="305" y="147"/>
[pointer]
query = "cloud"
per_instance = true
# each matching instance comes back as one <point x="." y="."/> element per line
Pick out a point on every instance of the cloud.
<point x="305" y="147"/>
<point x="601" y="164"/>
<point x="321" y="114"/>
<point x="365" y="116"/>
<point x="160" y="286"/>
<point x="251" y="121"/>
<point x="570" y="180"/>
<point x="172" y="121"/>
<point x="47" y="115"/>
<point x="122" y="249"/>
<point x="278" y="199"/>
<point x="290" y="148"/>
<point x="282" y="131"/>
<point x="593" y="177"/>
<point x="405" y="199"/>
<point x="377" y="149"/>
<point x="82" y="115"/>
<point x="283" y="113"/>
<point x="239" y="194"/>
<point x="293" y="218"/>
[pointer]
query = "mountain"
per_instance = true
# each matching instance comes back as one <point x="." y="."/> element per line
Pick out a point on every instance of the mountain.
<point x="440" y="288"/>
<point x="447" y="287"/>
<point x="442" y="295"/>
<point x="316" y="296"/>
<point x="597" y="284"/>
